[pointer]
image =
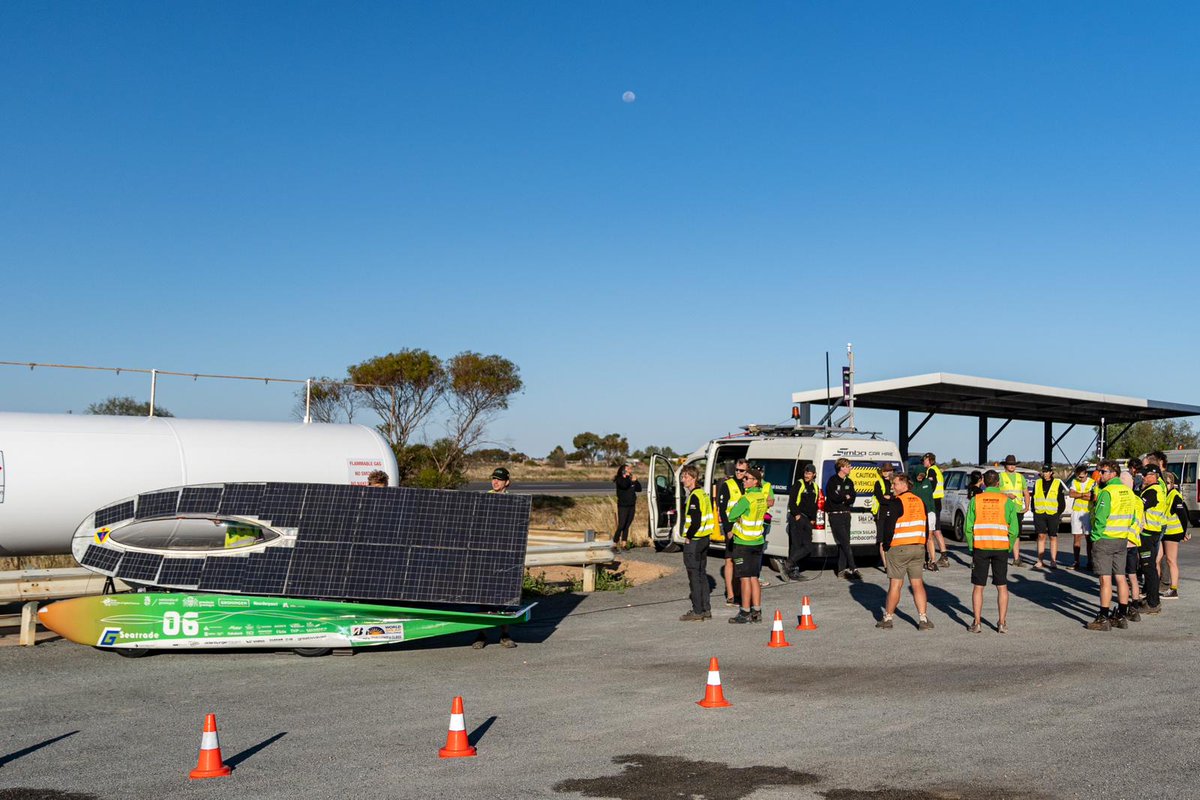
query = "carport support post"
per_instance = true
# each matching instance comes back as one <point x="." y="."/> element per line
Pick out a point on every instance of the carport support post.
<point x="983" y="440"/>
<point x="1048" y="442"/>
<point x="903" y="429"/>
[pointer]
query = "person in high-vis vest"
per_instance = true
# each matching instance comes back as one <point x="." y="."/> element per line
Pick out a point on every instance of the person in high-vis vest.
<point x="903" y="528"/>
<point x="1012" y="483"/>
<point x="1116" y="520"/>
<point x="880" y="492"/>
<point x="747" y="544"/>
<point x="993" y="523"/>
<point x="699" y="524"/>
<point x="802" y="512"/>
<point x="1082" y="494"/>
<point x="729" y="492"/>
<point x="1154" y="499"/>
<point x="939" y="491"/>
<point x="1174" y="532"/>
<point x="1049" y="503"/>
<point x="241" y="535"/>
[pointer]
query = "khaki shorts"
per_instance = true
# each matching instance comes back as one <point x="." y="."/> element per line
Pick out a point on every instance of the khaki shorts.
<point x="1108" y="556"/>
<point x="907" y="560"/>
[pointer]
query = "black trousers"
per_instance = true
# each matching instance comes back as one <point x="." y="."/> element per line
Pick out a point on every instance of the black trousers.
<point x="624" y="520"/>
<point x="799" y="542"/>
<point x="695" y="560"/>
<point x="839" y="523"/>
<point x="1147" y="568"/>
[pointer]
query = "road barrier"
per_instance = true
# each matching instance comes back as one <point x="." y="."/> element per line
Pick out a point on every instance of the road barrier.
<point x="551" y="548"/>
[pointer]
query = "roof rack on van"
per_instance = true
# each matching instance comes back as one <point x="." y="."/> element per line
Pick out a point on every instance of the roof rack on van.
<point x="796" y="429"/>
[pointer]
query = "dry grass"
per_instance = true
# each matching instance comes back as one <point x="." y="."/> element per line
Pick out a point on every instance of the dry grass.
<point x="597" y="514"/>
<point x="36" y="562"/>
<point x="535" y="472"/>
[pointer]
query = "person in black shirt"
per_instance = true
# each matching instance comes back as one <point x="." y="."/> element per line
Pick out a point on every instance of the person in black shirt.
<point x="802" y="510"/>
<point x="627" y="489"/>
<point x="974" y="484"/>
<point x="839" y="498"/>
<point x="696" y="533"/>
<point x="728" y="492"/>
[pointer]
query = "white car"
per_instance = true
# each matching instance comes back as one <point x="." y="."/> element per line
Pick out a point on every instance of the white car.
<point x="954" y="504"/>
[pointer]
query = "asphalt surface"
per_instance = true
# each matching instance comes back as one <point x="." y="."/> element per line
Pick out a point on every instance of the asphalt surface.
<point x="599" y="700"/>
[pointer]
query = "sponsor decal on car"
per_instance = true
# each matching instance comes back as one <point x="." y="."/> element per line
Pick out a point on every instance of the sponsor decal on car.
<point x="390" y="631"/>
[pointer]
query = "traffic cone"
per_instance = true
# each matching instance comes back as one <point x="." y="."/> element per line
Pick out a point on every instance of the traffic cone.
<point x="806" y="619"/>
<point x="210" y="764"/>
<point x="777" y="639"/>
<point x="713" y="696"/>
<point x="457" y="745"/>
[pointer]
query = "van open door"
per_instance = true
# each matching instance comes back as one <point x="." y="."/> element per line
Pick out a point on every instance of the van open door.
<point x="663" y="499"/>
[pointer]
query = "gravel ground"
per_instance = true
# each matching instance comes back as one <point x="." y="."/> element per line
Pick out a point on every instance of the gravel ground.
<point x="599" y="701"/>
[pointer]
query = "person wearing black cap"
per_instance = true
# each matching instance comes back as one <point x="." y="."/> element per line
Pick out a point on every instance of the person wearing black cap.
<point x="1049" y="503"/>
<point x="1012" y="483"/>
<point x="802" y="510"/>
<point x="500" y="482"/>
<point x="1154" y="499"/>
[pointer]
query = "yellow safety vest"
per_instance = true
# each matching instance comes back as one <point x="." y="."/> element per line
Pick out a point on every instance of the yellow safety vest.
<point x="1043" y="504"/>
<point x="708" y="522"/>
<point x="1156" y="515"/>
<point x="1173" y="527"/>
<point x="1124" y="513"/>
<point x="939" y="491"/>
<point x="748" y="528"/>
<point x="1082" y="505"/>
<point x="1013" y="485"/>
<point x="879" y="484"/>
<point x="239" y="535"/>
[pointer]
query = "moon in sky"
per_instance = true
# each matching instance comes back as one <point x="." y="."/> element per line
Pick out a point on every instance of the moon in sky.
<point x="629" y="97"/>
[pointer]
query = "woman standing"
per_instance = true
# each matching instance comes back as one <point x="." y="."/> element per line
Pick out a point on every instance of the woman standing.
<point x="627" y="489"/>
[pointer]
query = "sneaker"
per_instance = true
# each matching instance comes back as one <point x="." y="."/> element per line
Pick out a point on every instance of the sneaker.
<point x="1170" y="594"/>
<point x="944" y="561"/>
<point x="800" y="577"/>
<point x="479" y="643"/>
<point x="924" y="625"/>
<point x="975" y="627"/>
<point x="691" y="616"/>
<point x="1120" y="621"/>
<point x="729" y="601"/>
<point x="763" y="583"/>
<point x="1038" y="565"/>
<point x="1133" y="615"/>
<point x="756" y="616"/>
<point x="1149" y="609"/>
<point x="931" y="567"/>
<point x="507" y="642"/>
<point x="741" y="619"/>
<point x="1002" y="627"/>
<point x="1100" y="623"/>
<point x="707" y="615"/>
<point x="847" y="575"/>
<point x="784" y="577"/>
<point x="1077" y="567"/>
<point x="884" y="624"/>
<point x="854" y="575"/>
<point x="1053" y="565"/>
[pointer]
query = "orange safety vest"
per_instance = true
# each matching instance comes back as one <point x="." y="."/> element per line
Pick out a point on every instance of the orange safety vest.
<point x="910" y="528"/>
<point x="991" y="526"/>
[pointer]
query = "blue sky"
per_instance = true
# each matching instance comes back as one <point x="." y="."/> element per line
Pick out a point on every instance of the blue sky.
<point x="286" y="189"/>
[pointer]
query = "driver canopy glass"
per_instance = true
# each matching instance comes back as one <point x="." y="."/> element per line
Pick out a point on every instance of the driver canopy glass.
<point x="192" y="533"/>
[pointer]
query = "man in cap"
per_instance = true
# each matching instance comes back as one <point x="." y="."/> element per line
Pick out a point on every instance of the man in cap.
<point x="1081" y="493"/>
<point x="1049" y="503"/>
<point x="1154" y="500"/>
<point x="1115" y="521"/>
<point x="802" y="510"/>
<point x="1012" y="483"/>
<point x="881" y="493"/>
<point x="500" y="482"/>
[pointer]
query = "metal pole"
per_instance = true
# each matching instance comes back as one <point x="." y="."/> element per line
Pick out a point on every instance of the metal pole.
<point x="904" y="437"/>
<point x="1048" y="442"/>
<point x="307" y="401"/>
<point x="850" y="352"/>
<point x="1101" y="440"/>
<point x="983" y="440"/>
<point x="828" y="391"/>
<point x="153" y="389"/>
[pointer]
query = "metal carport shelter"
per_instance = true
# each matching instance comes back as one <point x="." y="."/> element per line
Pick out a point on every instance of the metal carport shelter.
<point x="986" y="399"/>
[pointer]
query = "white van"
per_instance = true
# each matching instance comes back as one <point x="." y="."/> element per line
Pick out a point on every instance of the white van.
<point x="1186" y="466"/>
<point x="781" y="452"/>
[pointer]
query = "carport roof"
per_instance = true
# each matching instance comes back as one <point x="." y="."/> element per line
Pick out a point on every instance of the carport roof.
<point x="945" y="393"/>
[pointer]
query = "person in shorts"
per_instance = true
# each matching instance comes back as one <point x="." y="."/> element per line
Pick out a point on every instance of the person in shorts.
<point x="747" y="544"/>
<point x="903" y="530"/>
<point x="1082" y="494"/>
<point x="993" y="523"/>
<point x="1115" y="519"/>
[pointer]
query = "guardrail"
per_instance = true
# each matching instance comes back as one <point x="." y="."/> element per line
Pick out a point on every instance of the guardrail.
<point x="51" y="584"/>
<point x="552" y="548"/>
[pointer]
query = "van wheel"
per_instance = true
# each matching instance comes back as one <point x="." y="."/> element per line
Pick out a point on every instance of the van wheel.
<point x="666" y="547"/>
<point x="959" y="534"/>
<point x="312" y="652"/>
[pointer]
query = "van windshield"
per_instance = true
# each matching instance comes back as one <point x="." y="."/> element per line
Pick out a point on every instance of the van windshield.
<point x="863" y="473"/>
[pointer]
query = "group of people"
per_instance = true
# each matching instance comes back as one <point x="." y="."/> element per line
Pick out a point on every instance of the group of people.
<point x="1131" y="521"/>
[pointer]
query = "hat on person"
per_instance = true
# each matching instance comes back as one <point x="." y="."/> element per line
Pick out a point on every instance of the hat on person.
<point x="810" y="468"/>
<point x="1148" y="468"/>
<point x="1047" y="468"/>
<point x="499" y="474"/>
<point x="1010" y="459"/>
<point x="886" y="468"/>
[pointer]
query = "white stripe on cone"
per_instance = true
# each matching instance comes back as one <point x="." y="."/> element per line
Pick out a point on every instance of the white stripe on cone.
<point x="777" y="625"/>
<point x="456" y="722"/>
<point x="208" y="740"/>
<point x="714" y="678"/>
<point x="805" y="610"/>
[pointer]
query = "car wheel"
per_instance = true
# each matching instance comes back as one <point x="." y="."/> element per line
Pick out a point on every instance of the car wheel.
<point x="959" y="523"/>
<point x="130" y="652"/>
<point x="312" y="652"/>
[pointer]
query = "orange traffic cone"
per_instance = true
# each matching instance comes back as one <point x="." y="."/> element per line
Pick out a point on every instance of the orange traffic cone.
<point x="210" y="764"/>
<point x="777" y="639"/>
<point x="457" y="745"/>
<point x="713" y="696"/>
<point x="806" y="619"/>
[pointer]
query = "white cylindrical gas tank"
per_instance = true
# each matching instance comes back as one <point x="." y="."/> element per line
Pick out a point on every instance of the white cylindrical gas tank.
<point x="55" y="469"/>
